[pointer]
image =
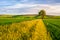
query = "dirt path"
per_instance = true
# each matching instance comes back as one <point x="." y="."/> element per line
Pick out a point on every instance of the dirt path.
<point x="41" y="31"/>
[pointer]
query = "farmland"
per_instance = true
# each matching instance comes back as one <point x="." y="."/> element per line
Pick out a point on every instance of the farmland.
<point x="53" y="26"/>
<point x="14" y="19"/>
<point x="29" y="28"/>
<point x="8" y="19"/>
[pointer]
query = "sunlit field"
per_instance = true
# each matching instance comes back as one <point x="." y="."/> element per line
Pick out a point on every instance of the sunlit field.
<point x="29" y="19"/>
<point x="29" y="28"/>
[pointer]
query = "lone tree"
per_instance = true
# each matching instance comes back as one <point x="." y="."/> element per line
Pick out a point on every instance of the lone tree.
<point x="42" y="13"/>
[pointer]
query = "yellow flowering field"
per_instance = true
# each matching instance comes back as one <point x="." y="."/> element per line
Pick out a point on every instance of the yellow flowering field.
<point x="27" y="30"/>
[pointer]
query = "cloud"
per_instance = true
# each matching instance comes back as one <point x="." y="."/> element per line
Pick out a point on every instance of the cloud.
<point x="31" y="9"/>
<point x="52" y="7"/>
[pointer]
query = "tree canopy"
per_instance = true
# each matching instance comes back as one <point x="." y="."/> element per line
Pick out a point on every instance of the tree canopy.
<point x="42" y="13"/>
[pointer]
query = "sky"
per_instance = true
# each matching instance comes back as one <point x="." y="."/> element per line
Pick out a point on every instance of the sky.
<point x="18" y="7"/>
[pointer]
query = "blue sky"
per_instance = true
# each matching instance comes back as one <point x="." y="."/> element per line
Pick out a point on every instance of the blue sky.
<point x="52" y="7"/>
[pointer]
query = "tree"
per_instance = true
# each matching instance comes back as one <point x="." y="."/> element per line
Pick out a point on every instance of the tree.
<point x="42" y="13"/>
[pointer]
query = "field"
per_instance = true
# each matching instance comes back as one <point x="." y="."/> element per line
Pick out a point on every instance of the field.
<point x="14" y="19"/>
<point x="53" y="26"/>
<point x="29" y="28"/>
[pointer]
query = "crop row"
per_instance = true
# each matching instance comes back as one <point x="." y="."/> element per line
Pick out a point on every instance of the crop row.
<point x="53" y="28"/>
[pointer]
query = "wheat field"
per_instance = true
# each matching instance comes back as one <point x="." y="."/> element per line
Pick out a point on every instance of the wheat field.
<point x="27" y="30"/>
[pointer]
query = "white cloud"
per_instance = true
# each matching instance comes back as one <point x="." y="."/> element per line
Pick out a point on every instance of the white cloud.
<point x="33" y="9"/>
